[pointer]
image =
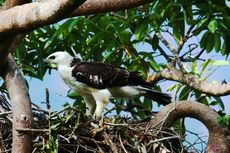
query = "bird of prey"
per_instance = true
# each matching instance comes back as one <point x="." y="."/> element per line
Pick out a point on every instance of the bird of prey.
<point x="97" y="82"/>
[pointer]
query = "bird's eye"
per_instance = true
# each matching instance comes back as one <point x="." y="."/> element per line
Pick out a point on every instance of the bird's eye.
<point x="52" y="57"/>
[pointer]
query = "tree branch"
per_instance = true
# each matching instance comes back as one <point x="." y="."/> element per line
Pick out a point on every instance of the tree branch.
<point x="33" y="15"/>
<point x="174" y="51"/>
<point x="219" y="136"/>
<point x="185" y="38"/>
<point x="172" y="73"/>
<point x="102" y="6"/>
<point x="22" y="114"/>
<point x="166" y="43"/>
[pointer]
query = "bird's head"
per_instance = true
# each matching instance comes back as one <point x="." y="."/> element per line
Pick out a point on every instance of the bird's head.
<point x="59" y="58"/>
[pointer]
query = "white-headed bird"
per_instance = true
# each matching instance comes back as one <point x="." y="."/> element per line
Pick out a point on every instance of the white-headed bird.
<point x="97" y="82"/>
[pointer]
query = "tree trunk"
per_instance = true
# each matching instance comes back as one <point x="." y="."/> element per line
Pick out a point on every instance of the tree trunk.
<point x="21" y="106"/>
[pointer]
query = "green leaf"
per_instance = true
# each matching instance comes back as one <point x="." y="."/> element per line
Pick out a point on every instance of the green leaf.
<point x="148" y="103"/>
<point x="171" y="88"/>
<point x="124" y="36"/>
<point x="184" y="93"/>
<point x="220" y="102"/>
<point x="68" y="117"/>
<point x="155" y="42"/>
<point x="178" y="27"/>
<point x="214" y="103"/>
<point x="73" y="95"/>
<point x="154" y="66"/>
<point x="194" y="67"/>
<point x="201" y="25"/>
<point x="210" y="43"/>
<point x="204" y="39"/>
<point x="207" y="41"/>
<point x="226" y="46"/>
<point x="202" y="22"/>
<point x="219" y="63"/>
<point x="188" y="13"/>
<point x="223" y="120"/>
<point x="223" y="26"/>
<point x="141" y="28"/>
<point x="212" y="26"/>
<point x="204" y="65"/>
<point x="217" y="42"/>
<point x="204" y="101"/>
<point x="55" y="126"/>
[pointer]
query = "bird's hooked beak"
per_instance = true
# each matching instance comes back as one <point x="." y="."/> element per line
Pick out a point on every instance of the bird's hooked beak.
<point x="47" y="63"/>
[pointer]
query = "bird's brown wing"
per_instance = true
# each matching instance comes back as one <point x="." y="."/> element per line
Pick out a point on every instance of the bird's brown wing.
<point x="102" y="75"/>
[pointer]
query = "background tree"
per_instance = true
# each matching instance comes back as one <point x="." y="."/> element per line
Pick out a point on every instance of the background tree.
<point x="179" y="36"/>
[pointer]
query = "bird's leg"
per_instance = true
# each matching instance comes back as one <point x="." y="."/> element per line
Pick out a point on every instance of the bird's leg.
<point x="90" y="104"/>
<point x="102" y="98"/>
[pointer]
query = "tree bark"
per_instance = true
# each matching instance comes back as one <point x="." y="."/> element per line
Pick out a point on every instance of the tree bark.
<point x="30" y="16"/>
<point x="174" y="74"/>
<point x="34" y="15"/>
<point x="21" y="106"/>
<point x="102" y="6"/>
<point x="219" y="136"/>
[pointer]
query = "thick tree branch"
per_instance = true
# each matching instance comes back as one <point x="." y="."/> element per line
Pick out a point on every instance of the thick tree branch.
<point x="172" y="73"/>
<point x="21" y="108"/>
<point x="102" y="6"/>
<point x="33" y="15"/>
<point x="219" y="136"/>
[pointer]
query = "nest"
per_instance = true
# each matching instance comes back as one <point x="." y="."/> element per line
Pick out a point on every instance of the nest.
<point x="70" y="131"/>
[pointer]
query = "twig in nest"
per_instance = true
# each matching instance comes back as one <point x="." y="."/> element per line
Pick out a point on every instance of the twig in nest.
<point x="122" y="145"/>
<point x="60" y="136"/>
<point x="121" y="125"/>
<point x="110" y="142"/>
<point x="163" y="139"/>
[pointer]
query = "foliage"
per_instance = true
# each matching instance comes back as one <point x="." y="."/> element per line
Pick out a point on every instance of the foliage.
<point x="119" y="38"/>
<point x="224" y="120"/>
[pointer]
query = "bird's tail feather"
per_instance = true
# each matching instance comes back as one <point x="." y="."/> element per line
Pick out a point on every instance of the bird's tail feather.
<point x="161" y="98"/>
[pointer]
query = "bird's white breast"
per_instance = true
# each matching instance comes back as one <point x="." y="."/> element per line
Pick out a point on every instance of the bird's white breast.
<point x="66" y="74"/>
